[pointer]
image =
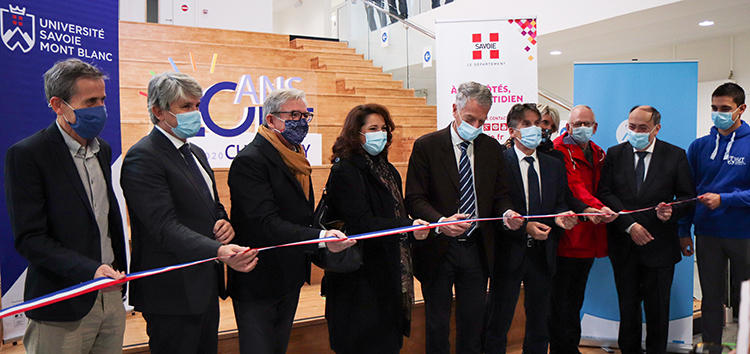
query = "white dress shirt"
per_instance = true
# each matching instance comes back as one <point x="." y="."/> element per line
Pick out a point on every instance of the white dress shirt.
<point x="177" y="144"/>
<point x="646" y="163"/>
<point x="523" y="165"/>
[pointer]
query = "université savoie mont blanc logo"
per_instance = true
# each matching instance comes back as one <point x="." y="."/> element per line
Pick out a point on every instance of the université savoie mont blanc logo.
<point x="17" y="28"/>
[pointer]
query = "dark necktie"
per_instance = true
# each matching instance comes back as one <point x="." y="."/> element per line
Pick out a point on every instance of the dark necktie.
<point x="202" y="186"/>
<point x="535" y="199"/>
<point x="468" y="204"/>
<point x="640" y="170"/>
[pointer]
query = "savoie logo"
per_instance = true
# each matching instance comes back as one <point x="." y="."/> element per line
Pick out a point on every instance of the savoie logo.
<point x="492" y="46"/>
<point x="736" y="161"/>
<point x="17" y="28"/>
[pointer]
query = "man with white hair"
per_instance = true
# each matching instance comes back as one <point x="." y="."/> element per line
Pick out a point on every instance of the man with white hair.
<point x="272" y="204"/>
<point x="176" y="217"/>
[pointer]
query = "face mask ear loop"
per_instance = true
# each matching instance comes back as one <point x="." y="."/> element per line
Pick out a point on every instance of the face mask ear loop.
<point x="716" y="148"/>
<point x="729" y="146"/>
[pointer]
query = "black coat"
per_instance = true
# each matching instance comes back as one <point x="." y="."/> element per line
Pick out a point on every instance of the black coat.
<point x="668" y="179"/>
<point x="363" y="308"/>
<point x="53" y="224"/>
<point x="269" y="208"/>
<point x="171" y="222"/>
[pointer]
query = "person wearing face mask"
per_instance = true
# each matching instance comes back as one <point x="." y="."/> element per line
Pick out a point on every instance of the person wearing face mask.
<point x="643" y="247"/>
<point x="369" y="310"/>
<point x="176" y="217"/>
<point x="65" y="217"/>
<point x="272" y="204"/>
<point x="457" y="173"/>
<point x="719" y="166"/>
<point x="586" y="241"/>
<point x="538" y="187"/>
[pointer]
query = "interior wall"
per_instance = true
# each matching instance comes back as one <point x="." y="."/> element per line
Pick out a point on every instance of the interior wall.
<point x="311" y="18"/>
<point x="132" y="10"/>
<point x="714" y="57"/>
<point x="239" y="15"/>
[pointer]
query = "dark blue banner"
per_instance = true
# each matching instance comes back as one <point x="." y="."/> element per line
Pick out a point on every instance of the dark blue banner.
<point x="35" y="35"/>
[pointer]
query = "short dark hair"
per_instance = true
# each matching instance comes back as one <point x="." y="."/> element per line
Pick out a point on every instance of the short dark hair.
<point x="732" y="90"/>
<point x="655" y="115"/>
<point x="348" y="141"/>
<point x="60" y="80"/>
<point x="518" y="112"/>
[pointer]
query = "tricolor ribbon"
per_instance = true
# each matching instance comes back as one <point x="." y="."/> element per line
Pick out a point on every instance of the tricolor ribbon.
<point x="101" y="283"/>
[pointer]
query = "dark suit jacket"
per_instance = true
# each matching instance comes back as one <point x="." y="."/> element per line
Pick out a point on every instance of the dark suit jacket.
<point x="432" y="191"/>
<point x="668" y="179"/>
<point x="171" y="222"/>
<point x="53" y="224"/>
<point x="269" y="208"/>
<point x="363" y="308"/>
<point x="512" y="247"/>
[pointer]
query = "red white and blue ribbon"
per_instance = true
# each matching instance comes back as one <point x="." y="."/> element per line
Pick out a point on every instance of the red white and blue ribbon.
<point x="101" y="283"/>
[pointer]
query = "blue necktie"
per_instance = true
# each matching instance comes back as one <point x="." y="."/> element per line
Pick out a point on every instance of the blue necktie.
<point x="197" y="175"/>
<point x="468" y="203"/>
<point x="535" y="199"/>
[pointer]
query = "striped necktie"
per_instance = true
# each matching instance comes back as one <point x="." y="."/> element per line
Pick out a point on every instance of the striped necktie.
<point x="468" y="201"/>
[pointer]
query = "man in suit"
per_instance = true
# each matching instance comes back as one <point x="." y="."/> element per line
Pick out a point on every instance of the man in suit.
<point x="644" y="247"/>
<point x="65" y="217"/>
<point x="272" y="204"/>
<point x="457" y="173"/>
<point x="579" y="246"/>
<point x="176" y="217"/>
<point x="538" y="187"/>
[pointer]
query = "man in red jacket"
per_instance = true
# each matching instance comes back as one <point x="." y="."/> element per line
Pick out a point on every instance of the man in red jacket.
<point x="584" y="242"/>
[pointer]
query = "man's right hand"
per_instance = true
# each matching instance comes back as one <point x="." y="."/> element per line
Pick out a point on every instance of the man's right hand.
<point x="640" y="235"/>
<point x="342" y="244"/>
<point x="515" y="221"/>
<point x="537" y="230"/>
<point x="455" y="229"/>
<point x="241" y="259"/>
<point x="105" y="270"/>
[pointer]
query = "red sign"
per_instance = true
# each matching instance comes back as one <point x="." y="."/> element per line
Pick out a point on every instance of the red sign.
<point x="184" y="8"/>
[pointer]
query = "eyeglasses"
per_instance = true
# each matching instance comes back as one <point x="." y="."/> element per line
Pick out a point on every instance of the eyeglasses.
<point x="297" y="115"/>
<point x="583" y="124"/>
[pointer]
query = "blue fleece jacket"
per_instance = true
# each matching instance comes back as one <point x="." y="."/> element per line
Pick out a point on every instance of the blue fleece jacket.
<point x="721" y="164"/>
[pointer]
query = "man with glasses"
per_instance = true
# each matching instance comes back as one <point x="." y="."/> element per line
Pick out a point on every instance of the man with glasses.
<point x="538" y="187"/>
<point x="272" y="204"/>
<point x="643" y="247"/>
<point x="579" y="246"/>
<point x="720" y="169"/>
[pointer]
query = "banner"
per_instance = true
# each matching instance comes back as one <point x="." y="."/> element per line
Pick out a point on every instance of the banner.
<point x="35" y="35"/>
<point x="499" y="53"/>
<point x="611" y="90"/>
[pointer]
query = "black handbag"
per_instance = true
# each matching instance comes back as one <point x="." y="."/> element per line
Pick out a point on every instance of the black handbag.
<point x="322" y="213"/>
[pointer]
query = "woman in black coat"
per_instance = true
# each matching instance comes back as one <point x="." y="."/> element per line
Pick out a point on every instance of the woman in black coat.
<point x="369" y="310"/>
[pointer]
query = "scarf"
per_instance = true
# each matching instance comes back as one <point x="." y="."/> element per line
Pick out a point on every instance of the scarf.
<point x="294" y="160"/>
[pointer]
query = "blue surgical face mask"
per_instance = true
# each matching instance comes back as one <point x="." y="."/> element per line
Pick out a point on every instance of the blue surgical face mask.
<point x="188" y="124"/>
<point x="531" y="136"/>
<point x="375" y="142"/>
<point x="723" y="120"/>
<point x="294" y="130"/>
<point x="466" y="131"/>
<point x="89" y="121"/>
<point x="582" y="134"/>
<point x="639" y="141"/>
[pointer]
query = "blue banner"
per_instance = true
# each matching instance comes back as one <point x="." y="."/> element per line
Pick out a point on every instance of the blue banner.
<point x="35" y="35"/>
<point x="611" y="90"/>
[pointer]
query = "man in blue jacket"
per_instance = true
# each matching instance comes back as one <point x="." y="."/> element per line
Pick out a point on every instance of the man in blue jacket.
<point x="719" y="165"/>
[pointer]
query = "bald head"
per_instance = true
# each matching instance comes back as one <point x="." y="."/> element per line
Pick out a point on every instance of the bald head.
<point x="654" y="115"/>
<point x="582" y="112"/>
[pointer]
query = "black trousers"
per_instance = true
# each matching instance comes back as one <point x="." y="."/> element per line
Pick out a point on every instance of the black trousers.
<point x="568" y="290"/>
<point x="185" y="334"/>
<point x="504" y="290"/>
<point x="637" y="283"/>
<point x="712" y="254"/>
<point x="264" y="325"/>
<point x="462" y="268"/>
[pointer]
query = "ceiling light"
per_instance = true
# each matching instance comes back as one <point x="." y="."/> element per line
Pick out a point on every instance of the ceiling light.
<point x="706" y="23"/>
<point x="555" y="52"/>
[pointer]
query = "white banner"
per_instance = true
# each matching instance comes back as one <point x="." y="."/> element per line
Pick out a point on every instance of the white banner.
<point x="499" y="53"/>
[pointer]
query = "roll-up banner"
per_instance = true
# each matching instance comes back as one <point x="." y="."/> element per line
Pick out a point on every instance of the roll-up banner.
<point x="35" y="35"/>
<point x="499" y="53"/>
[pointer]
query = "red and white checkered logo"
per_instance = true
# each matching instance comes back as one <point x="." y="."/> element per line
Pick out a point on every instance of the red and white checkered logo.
<point x="480" y="46"/>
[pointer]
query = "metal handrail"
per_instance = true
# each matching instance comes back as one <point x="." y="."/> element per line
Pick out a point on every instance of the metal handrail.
<point x="405" y="22"/>
<point x="555" y="99"/>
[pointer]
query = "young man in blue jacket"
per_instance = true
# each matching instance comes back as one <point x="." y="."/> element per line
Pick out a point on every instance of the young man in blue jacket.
<point x="719" y="165"/>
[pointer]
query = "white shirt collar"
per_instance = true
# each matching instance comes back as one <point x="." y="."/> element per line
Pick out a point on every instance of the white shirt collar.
<point x="521" y="155"/>
<point x="455" y="138"/>
<point x="177" y="142"/>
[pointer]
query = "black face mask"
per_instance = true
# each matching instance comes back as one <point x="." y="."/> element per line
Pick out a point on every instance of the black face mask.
<point x="546" y="134"/>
